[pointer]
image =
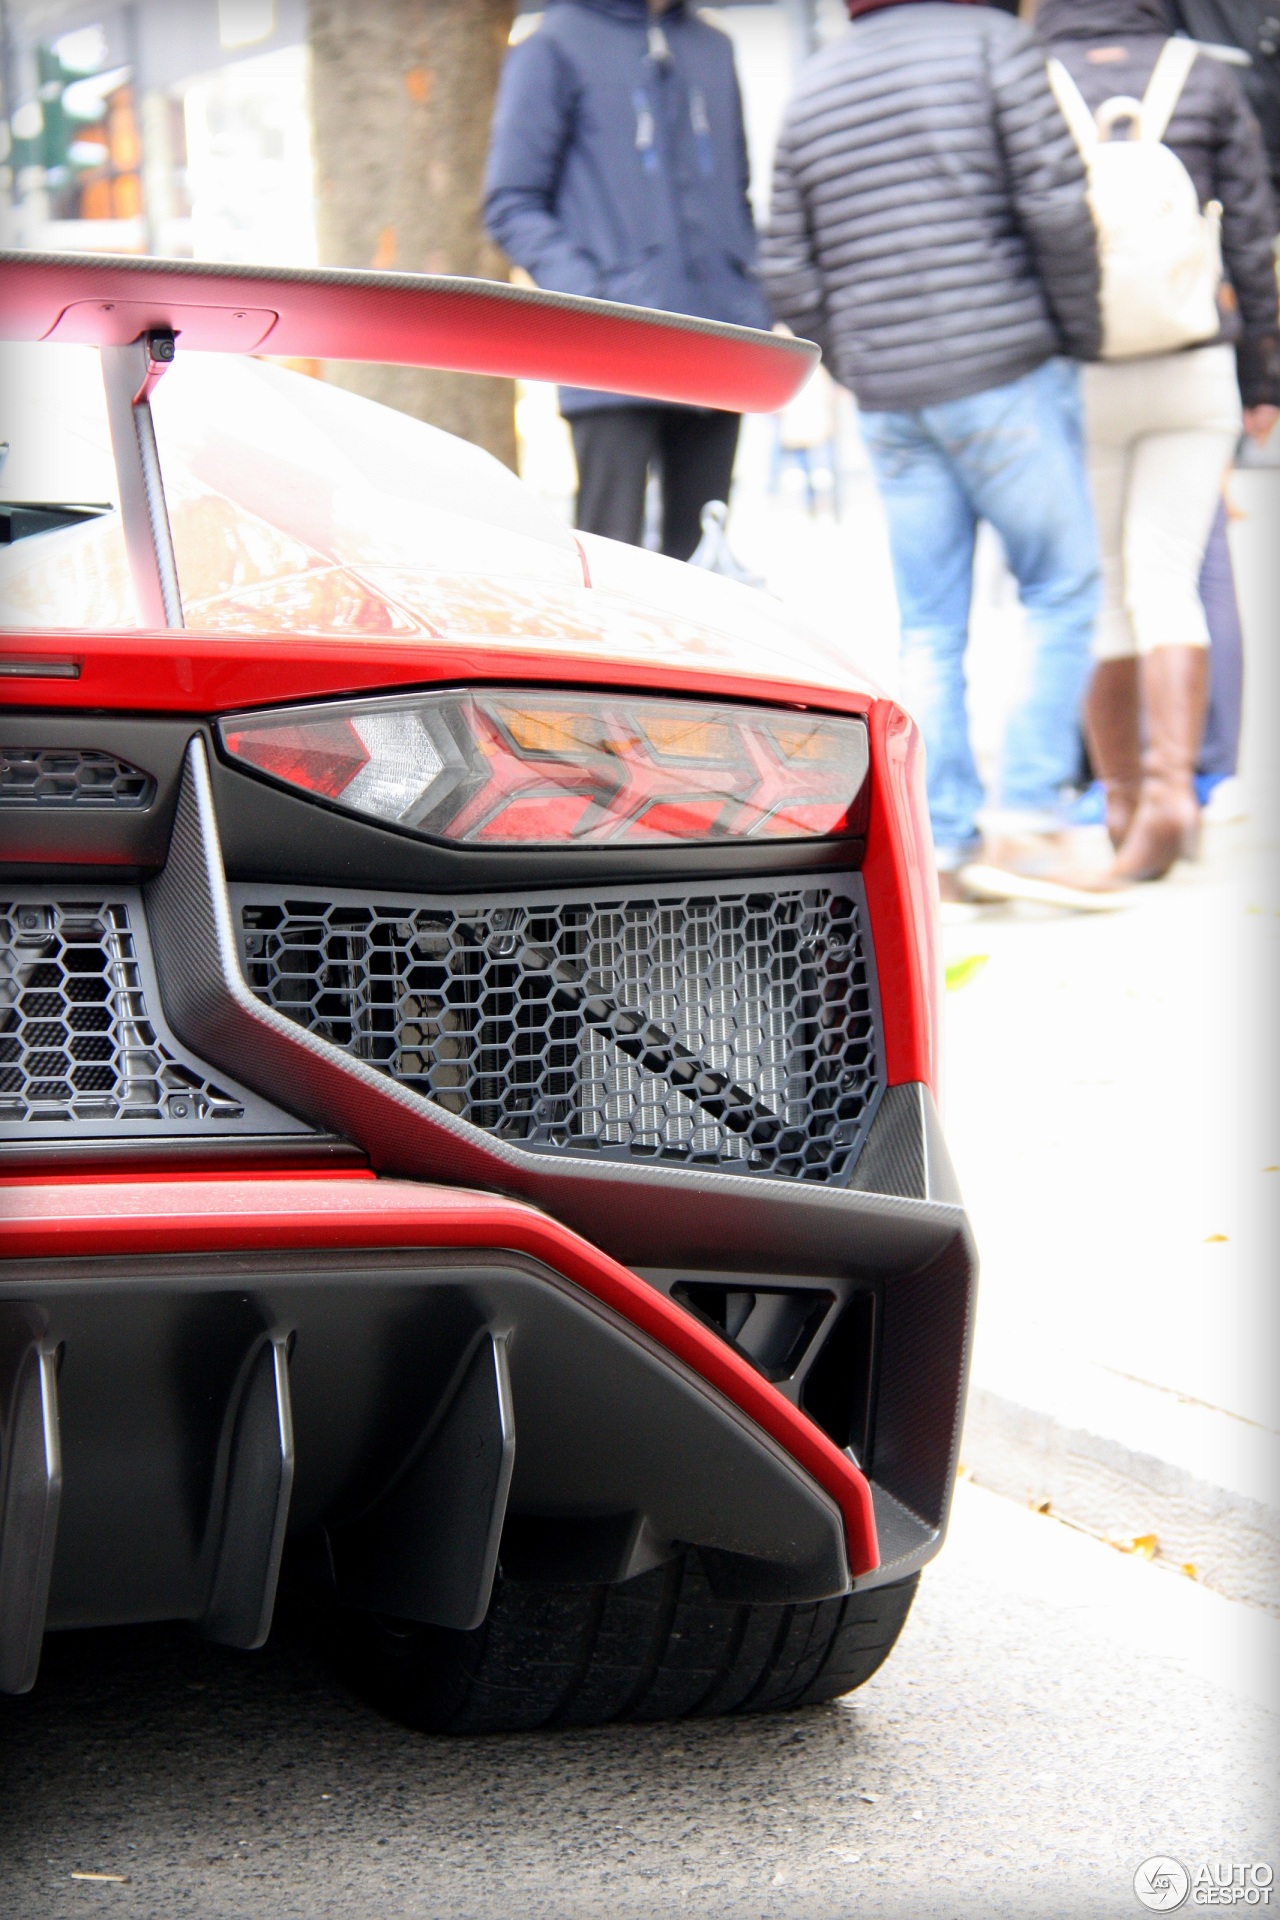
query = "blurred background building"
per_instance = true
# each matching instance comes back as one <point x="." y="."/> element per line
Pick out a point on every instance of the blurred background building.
<point x="182" y="127"/>
<point x="157" y="127"/>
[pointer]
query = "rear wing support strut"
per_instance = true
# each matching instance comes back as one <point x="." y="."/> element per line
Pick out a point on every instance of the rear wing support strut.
<point x="130" y="374"/>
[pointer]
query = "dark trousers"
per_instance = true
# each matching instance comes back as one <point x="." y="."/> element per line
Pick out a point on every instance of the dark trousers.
<point x="691" y="450"/>
<point x="1220" y="748"/>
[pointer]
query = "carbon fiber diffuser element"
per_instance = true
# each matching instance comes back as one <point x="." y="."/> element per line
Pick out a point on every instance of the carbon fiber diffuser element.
<point x="724" y="1027"/>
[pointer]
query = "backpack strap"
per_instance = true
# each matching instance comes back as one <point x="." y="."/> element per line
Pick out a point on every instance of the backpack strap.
<point x="1164" y="89"/>
<point x="1075" y="110"/>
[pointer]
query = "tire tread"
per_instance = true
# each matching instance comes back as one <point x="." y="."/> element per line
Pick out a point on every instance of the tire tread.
<point x="659" y="1647"/>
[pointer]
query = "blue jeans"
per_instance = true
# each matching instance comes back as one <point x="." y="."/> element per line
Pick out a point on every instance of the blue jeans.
<point x="1013" y="456"/>
<point x="1220" y="747"/>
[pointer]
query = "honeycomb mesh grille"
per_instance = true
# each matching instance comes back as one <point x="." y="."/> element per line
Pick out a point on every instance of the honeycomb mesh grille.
<point x="70" y="777"/>
<point x="725" y="1028"/>
<point x="76" y="1040"/>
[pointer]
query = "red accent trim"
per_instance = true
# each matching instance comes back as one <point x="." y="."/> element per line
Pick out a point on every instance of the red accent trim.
<point x="902" y="894"/>
<point x="174" y="1176"/>
<point x="468" y="326"/>
<point x="213" y="674"/>
<point x="113" y="1217"/>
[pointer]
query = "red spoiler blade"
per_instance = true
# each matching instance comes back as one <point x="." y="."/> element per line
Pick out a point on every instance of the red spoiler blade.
<point x="465" y="326"/>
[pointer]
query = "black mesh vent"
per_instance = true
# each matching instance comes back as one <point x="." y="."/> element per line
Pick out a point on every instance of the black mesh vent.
<point x="720" y="1028"/>
<point x="70" y="777"/>
<point x="76" y="1042"/>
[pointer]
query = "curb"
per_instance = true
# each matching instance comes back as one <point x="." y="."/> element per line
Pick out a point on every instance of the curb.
<point x="1096" y="1483"/>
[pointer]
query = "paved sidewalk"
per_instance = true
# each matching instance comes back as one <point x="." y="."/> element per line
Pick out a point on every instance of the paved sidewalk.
<point x="1107" y="1111"/>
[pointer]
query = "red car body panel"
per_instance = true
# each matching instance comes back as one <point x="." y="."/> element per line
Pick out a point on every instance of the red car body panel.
<point x="203" y="674"/>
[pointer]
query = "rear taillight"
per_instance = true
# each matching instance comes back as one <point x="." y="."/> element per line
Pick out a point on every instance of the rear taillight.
<point x="509" y="768"/>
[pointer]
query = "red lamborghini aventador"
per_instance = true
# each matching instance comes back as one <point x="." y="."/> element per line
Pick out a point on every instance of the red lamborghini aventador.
<point x="467" y="1032"/>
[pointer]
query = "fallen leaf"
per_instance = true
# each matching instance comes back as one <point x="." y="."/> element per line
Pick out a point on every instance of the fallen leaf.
<point x="961" y="972"/>
<point x="1043" y="1506"/>
<point x="1144" y="1545"/>
<point x="1189" y="1568"/>
<point x="1215" y="1239"/>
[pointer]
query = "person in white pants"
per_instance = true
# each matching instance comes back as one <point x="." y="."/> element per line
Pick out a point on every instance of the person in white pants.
<point x="1161" y="431"/>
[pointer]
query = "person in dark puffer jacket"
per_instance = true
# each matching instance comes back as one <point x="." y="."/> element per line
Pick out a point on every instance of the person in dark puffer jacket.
<point x="1253" y="26"/>
<point x="930" y="230"/>
<point x="1161" y="431"/>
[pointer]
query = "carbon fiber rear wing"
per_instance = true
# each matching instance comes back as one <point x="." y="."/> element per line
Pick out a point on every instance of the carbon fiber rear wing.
<point x="139" y="311"/>
<point x="421" y="320"/>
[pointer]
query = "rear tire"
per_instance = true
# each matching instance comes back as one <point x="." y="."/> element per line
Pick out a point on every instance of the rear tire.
<point x="659" y="1647"/>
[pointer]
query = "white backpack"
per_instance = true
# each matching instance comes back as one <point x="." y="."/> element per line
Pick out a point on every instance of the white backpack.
<point x="1160" y="256"/>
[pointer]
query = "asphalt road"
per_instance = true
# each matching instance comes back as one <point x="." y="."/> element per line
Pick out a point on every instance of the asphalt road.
<point x="1054" y="1714"/>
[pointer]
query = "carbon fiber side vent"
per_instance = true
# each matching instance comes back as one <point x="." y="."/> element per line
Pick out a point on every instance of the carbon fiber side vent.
<point x="83" y="1050"/>
<point x="71" y="777"/>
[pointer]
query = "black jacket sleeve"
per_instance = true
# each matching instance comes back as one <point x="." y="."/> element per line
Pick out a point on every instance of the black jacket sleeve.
<point x="789" y="267"/>
<point x="1047" y="187"/>
<point x="1243" y="187"/>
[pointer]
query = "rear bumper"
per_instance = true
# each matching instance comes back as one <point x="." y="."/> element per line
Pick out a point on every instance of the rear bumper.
<point x="400" y="1377"/>
<point x="478" y="1346"/>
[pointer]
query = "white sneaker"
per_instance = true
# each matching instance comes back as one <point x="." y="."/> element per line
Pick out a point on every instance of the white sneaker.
<point x="1007" y="883"/>
<point x="1043" y="868"/>
<point x="1227" y="803"/>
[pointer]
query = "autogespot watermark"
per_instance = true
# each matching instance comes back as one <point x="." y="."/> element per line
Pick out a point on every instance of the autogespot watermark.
<point x="1163" y="1884"/>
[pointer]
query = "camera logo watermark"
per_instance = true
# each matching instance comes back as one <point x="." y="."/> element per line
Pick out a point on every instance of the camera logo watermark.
<point x="1163" y="1884"/>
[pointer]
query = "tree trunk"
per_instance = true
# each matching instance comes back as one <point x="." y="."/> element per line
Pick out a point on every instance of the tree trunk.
<point x="402" y="95"/>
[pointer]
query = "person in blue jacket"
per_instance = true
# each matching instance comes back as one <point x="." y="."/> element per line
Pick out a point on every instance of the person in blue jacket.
<point x="618" y="168"/>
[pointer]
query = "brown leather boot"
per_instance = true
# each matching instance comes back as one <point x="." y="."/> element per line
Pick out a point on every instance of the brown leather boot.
<point x="1115" y="752"/>
<point x="1175" y="690"/>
